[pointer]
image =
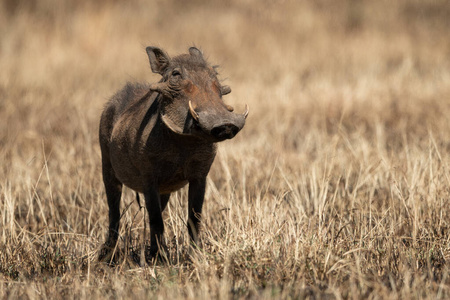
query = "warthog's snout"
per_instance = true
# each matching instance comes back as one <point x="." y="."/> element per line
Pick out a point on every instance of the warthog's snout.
<point x="219" y="122"/>
<point x="224" y="132"/>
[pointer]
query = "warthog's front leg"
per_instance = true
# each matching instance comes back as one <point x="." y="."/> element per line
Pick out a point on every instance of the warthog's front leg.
<point x="153" y="203"/>
<point x="196" y="197"/>
<point x="164" y="198"/>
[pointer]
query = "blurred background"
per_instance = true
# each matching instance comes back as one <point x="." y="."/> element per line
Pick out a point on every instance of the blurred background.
<point x="376" y="72"/>
<point x="274" y="54"/>
<point x="373" y="72"/>
<point x="349" y="124"/>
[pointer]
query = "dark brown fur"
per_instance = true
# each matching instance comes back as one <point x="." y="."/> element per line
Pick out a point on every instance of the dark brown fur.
<point x="157" y="138"/>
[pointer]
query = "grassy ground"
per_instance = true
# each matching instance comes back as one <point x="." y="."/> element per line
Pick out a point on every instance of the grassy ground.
<point x="338" y="186"/>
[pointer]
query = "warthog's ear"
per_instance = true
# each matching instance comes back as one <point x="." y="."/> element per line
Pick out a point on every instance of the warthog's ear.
<point x="159" y="60"/>
<point x="193" y="51"/>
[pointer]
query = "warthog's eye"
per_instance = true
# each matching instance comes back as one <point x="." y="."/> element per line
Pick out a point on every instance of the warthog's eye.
<point x="176" y="73"/>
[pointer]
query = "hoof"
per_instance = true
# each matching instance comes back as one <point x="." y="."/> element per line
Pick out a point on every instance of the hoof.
<point x="156" y="254"/>
<point x="108" y="254"/>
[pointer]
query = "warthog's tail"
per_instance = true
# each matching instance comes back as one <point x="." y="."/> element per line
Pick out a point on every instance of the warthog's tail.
<point x="138" y="199"/>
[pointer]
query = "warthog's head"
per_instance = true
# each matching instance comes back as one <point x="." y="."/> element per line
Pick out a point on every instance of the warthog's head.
<point x="191" y="102"/>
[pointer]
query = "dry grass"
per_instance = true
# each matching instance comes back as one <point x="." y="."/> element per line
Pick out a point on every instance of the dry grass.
<point x="338" y="186"/>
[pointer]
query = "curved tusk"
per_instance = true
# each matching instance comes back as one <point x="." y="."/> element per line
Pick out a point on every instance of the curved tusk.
<point x="193" y="112"/>
<point x="246" y="111"/>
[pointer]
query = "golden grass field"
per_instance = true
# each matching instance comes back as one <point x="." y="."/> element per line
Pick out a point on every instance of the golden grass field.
<point x="338" y="187"/>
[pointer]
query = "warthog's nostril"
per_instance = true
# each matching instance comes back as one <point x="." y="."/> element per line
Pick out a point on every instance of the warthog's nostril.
<point x="226" y="131"/>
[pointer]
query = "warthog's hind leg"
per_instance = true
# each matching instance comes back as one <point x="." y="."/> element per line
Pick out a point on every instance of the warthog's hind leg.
<point x="113" y="189"/>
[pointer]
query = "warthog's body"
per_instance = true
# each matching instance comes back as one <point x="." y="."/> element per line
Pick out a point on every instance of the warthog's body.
<point x="157" y="138"/>
<point x="148" y="152"/>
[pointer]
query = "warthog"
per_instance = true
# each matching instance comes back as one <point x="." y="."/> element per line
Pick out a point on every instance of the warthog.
<point x="157" y="138"/>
